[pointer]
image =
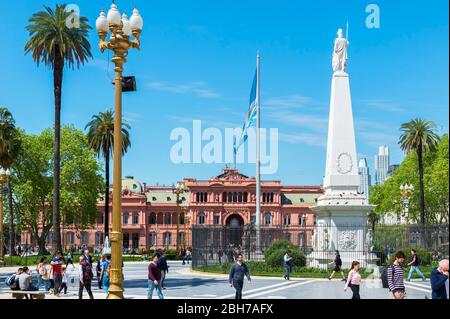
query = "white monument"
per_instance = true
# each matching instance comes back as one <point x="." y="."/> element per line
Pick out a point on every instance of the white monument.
<point x="341" y="212"/>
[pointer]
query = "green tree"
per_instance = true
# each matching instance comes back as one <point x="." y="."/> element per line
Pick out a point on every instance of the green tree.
<point x="55" y="43"/>
<point x="419" y="135"/>
<point x="9" y="151"/>
<point x="101" y="140"/>
<point x="80" y="182"/>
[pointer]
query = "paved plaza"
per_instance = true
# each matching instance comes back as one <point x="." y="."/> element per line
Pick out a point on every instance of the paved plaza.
<point x="183" y="283"/>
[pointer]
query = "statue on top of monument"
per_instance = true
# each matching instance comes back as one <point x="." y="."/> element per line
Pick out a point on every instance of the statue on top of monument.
<point x="340" y="53"/>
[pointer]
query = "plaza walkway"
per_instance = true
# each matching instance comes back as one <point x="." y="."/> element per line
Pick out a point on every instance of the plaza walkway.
<point x="182" y="283"/>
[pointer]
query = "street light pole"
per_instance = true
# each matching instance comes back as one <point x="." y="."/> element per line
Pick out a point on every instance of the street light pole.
<point x="4" y="174"/>
<point x="178" y="190"/>
<point x="406" y="192"/>
<point x="120" y="43"/>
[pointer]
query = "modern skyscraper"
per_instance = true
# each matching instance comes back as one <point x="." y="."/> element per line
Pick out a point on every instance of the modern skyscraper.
<point x="364" y="177"/>
<point x="381" y="165"/>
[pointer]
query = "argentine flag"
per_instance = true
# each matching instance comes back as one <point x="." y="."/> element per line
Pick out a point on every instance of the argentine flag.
<point x="251" y="115"/>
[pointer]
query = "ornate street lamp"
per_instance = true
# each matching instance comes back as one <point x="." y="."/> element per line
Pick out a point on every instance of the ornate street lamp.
<point x="406" y="191"/>
<point x="4" y="175"/>
<point x="178" y="191"/>
<point x="120" y="29"/>
<point x="184" y="210"/>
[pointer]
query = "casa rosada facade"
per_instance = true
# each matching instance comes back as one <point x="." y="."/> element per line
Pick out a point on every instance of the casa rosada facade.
<point x="149" y="212"/>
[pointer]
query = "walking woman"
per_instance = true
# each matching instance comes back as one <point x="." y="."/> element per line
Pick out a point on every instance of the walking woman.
<point x="354" y="280"/>
<point x="337" y="266"/>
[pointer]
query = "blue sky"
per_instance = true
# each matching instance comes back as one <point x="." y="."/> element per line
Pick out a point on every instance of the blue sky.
<point x="197" y="62"/>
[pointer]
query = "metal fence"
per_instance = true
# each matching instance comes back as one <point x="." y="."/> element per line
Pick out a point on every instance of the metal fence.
<point x="219" y="244"/>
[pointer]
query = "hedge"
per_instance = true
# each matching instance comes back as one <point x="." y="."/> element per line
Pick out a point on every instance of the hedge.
<point x="424" y="256"/>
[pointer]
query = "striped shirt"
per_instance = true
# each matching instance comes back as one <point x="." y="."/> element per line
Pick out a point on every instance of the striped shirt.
<point x="395" y="278"/>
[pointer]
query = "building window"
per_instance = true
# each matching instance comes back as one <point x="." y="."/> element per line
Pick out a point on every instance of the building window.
<point x="182" y="219"/>
<point x="167" y="239"/>
<point x="287" y="219"/>
<point x="181" y="238"/>
<point x="201" y="218"/>
<point x="271" y="197"/>
<point x="302" y="200"/>
<point x="234" y="197"/>
<point x="315" y="199"/>
<point x="240" y="197"/>
<point x="268" y="218"/>
<point x="125" y="218"/>
<point x="167" y="218"/>
<point x="154" y="198"/>
<point x="101" y="219"/>
<point x="69" y="237"/>
<point x="288" y="236"/>
<point x="216" y="219"/>
<point x="152" y="219"/>
<point x="98" y="238"/>
<point x="224" y="197"/>
<point x="84" y="238"/>
<point x="245" y="197"/>
<point x="135" y="218"/>
<point x="253" y="220"/>
<point x="169" y="199"/>
<point x="152" y="239"/>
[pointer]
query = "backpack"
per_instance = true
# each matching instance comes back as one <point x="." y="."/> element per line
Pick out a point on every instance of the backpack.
<point x="384" y="276"/>
<point x="417" y="263"/>
<point x="9" y="281"/>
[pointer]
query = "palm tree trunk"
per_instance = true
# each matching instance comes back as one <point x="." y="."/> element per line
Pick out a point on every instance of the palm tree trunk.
<point x="12" y="241"/>
<point x="421" y="189"/>
<point x="57" y="82"/>
<point x="107" y="196"/>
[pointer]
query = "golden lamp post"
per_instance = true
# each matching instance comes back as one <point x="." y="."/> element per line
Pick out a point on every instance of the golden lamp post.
<point x="178" y="191"/>
<point x="185" y="209"/>
<point x="119" y="43"/>
<point x="406" y="191"/>
<point x="4" y="175"/>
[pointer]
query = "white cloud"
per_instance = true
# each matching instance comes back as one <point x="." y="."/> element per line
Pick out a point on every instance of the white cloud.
<point x="195" y="87"/>
<point x="132" y="117"/>
<point x="304" y="138"/>
<point x="290" y="101"/>
<point x="386" y="105"/>
<point x="317" y="123"/>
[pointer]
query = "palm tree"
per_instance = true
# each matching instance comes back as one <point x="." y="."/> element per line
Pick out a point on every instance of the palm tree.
<point x="9" y="151"/>
<point x="101" y="140"/>
<point x="56" y="43"/>
<point x="419" y="135"/>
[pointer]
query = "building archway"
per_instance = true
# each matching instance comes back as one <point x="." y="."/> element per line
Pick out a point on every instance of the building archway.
<point x="234" y="230"/>
<point x="234" y="221"/>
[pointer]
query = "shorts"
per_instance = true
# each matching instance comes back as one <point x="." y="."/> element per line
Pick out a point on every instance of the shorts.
<point x="337" y="269"/>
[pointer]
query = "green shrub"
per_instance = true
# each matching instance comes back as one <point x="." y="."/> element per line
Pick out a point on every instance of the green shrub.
<point x="424" y="256"/>
<point x="276" y="259"/>
<point x="283" y="245"/>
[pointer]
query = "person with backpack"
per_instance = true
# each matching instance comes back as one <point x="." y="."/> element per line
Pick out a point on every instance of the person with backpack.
<point x="392" y="277"/>
<point x="86" y="276"/>
<point x="69" y="259"/>
<point x="354" y="280"/>
<point x="337" y="266"/>
<point x="162" y="263"/>
<point x="287" y="259"/>
<point x="57" y="273"/>
<point x="237" y="273"/>
<point x="414" y="264"/>
<point x="13" y="281"/>
<point x="98" y="270"/>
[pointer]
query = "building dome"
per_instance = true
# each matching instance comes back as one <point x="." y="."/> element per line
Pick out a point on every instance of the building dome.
<point x="131" y="184"/>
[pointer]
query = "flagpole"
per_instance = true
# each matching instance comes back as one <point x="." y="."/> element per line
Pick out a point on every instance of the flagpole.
<point x="258" y="149"/>
<point x="234" y="151"/>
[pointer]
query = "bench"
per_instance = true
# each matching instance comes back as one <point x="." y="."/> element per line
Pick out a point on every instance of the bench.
<point x="19" y="294"/>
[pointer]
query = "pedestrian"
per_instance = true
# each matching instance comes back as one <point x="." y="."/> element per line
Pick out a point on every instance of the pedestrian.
<point x="354" y="280"/>
<point x="26" y="282"/>
<point x="162" y="263"/>
<point x="183" y="256"/>
<point x="13" y="281"/>
<point x="105" y="273"/>
<point x="69" y="259"/>
<point x="395" y="277"/>
<point x="287" y="265"/>
<point x="43" y="274"/>
<point x="188" y="255"/>
<point x="98" y="271"/>
<point x="56" y="265"/>
<point x="337" y="266"/>
<point x="237" y="273"/>
<point x="414" y="264"/>
<point x="65" y="278"/>
<point x="154" y="278"/>
<point x="86" y="276"/>
<point x="87" y="255"/>
<point x="439" y="281"/>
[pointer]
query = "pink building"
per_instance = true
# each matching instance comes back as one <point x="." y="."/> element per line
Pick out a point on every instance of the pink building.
<point x="149" y="212"/>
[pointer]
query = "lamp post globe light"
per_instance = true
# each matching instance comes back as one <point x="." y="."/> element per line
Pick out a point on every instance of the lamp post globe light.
<point x="178" y="191"/>
<point x="120" y="30"/>
<point x="406" y="191"/>
<point x="4" y="175"/>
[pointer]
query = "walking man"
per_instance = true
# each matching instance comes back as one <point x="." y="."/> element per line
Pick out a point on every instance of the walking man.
<point x="439" y="281"/>
<point x="395" y="278"/>
<point x="237" y="273"/>
<point x="162" y="263"/>
<point x="57" y="272"/>
<point x="86" y="276"/>
<point x="69" y="259"/>
<point x="287" y="264"/>
<point x="414" y="264"/>
<point x="154" y="278"/>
